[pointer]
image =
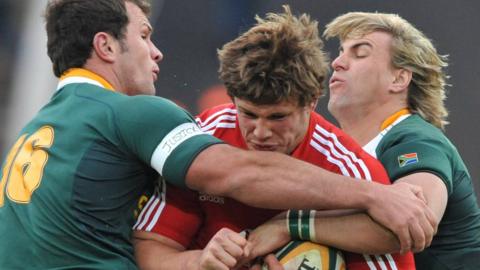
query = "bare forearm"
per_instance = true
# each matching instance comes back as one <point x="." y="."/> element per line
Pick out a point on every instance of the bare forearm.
<point x="356" y="233"/>
<point x="150" y="255"/>
<point x="273" y="180"/>
<point x="344" y="229"/>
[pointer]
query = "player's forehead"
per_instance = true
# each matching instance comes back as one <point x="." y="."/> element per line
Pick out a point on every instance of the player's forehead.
<point x="372" y="40"/>
<point x="282" y="107"/>
<point x="137" y="18"/>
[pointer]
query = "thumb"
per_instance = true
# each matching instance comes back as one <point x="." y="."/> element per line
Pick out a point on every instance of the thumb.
<point x="256" y="267"/>
<point x="272" y="262"/>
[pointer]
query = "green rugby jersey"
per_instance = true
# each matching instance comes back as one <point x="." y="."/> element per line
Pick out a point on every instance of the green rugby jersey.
<point x="71" y="183"/>
<point x="413" y="145"/>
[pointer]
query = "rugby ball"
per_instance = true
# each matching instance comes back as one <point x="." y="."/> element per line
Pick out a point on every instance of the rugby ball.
<point x="304" y="255"/>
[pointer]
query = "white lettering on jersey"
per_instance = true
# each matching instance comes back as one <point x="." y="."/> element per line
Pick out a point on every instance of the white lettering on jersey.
<point x="171" y="141"/>
<point x="211" y="198"/>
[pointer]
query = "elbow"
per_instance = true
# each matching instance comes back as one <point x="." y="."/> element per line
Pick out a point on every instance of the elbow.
<point x="218" y="184"/>
<point x="383" y="248"/>
<point x="220" y="170"/>
<point x="386" y="243"/>
<point x="226" y="186"/>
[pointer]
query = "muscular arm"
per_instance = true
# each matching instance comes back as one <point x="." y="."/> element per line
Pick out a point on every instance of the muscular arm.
<point x="347" y="230"/>
<point x="154" y="251"/>
<point x="341" y="229"/>
<point x="273" y="180"/>
<point x="434" y="191"/>
<point x="356" y="233"/>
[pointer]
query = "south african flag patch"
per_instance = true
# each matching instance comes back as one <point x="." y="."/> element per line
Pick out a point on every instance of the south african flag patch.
<point x="407" y="159"/>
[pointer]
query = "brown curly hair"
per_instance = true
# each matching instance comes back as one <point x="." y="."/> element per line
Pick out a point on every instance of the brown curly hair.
<point x="279" y="59"/>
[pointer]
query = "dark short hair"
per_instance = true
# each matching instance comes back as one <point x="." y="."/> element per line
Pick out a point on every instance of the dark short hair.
<point x="72" y="24"/>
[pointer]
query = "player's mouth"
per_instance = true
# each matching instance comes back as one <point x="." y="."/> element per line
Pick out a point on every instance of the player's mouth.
<point x="335" y="80"/>
<point x="155" y="73"/>
<point x="263" y="147"/>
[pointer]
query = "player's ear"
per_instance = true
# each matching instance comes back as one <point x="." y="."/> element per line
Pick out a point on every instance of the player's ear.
<point x="401" y="80"/>
<point x="105" y="46"/>
<point x="313" y="105"/>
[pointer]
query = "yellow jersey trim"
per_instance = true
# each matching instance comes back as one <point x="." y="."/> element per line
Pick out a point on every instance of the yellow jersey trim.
<point x="84" y="73"/>
<point x="391" y="119"/>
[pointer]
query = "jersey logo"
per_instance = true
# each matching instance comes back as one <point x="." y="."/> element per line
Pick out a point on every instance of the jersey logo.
<point x="211" y="198"/>
<point x="407" y="159"/>
<point x="173" y="139"/>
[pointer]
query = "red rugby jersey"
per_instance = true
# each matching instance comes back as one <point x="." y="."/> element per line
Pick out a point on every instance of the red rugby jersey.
<point x="192" y="219"/>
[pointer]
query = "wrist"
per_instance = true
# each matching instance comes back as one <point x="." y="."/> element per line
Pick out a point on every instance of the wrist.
<point x="301" y="224"/>
<point x="193" y="261"/>
<point x="368" y="197"/>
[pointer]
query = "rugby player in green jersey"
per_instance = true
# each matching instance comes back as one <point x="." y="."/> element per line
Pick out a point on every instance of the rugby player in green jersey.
<point x="387" y="91"/>
<point x="71" y="182"/>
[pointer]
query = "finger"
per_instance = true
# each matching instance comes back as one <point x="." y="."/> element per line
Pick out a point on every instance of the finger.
<point x="433" y="220"/>
<point x="225" y="258"/>
<point x="429" y="226"/>
<point x="237" y="238"/>
<point x="418" y="235"/>
<point x="211" y="262"/>
<point x="405" y="240"/>
<point x="225" y="242"/>
<point x="428" y="229"/>
<point x="232" y="247"/>
<point x="256" y="267"/>
<point x="272" y="262"/>
<point x="256" y="263"/>
<point x="247" y="250"/>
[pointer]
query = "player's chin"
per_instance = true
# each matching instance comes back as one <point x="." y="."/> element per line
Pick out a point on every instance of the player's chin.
<point x="150" y="90"/>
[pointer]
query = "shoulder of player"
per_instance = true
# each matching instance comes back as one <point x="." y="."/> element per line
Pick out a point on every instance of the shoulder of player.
<point x="340" y="151"/>
<point x="219" y="117"/>
<point x="416" y="129"/>
<point x="118" y="102"/>
<point x="137" y="115"/>
<point x="325" y="140"/>
<point x="144" y="106"/>
<point x="326" y="131"/>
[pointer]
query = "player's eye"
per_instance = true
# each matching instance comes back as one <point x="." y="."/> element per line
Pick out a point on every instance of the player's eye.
<point x="362" y="51"/>
<point x="249" y="115"/>
<point x="277" y="117"/>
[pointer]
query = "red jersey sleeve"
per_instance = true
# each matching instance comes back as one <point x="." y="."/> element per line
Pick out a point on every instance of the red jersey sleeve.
<point x="173" y="213"/>
<point x="385" y="261"/>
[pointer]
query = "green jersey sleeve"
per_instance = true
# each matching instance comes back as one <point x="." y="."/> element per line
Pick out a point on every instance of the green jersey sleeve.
<point x="405" y="156"/>
<point x="162" y="135"/>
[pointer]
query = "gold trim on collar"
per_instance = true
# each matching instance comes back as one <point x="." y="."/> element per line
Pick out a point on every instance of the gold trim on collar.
<point x="393" y="118"/>
<point x="81" y="72"/>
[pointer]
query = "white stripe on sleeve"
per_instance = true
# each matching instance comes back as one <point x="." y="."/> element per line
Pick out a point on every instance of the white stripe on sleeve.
<point x="171" y="141"/>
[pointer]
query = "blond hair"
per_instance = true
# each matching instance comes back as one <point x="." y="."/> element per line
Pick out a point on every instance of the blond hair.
<point x="280" y="58"/>
<point x="411" y="50"/>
